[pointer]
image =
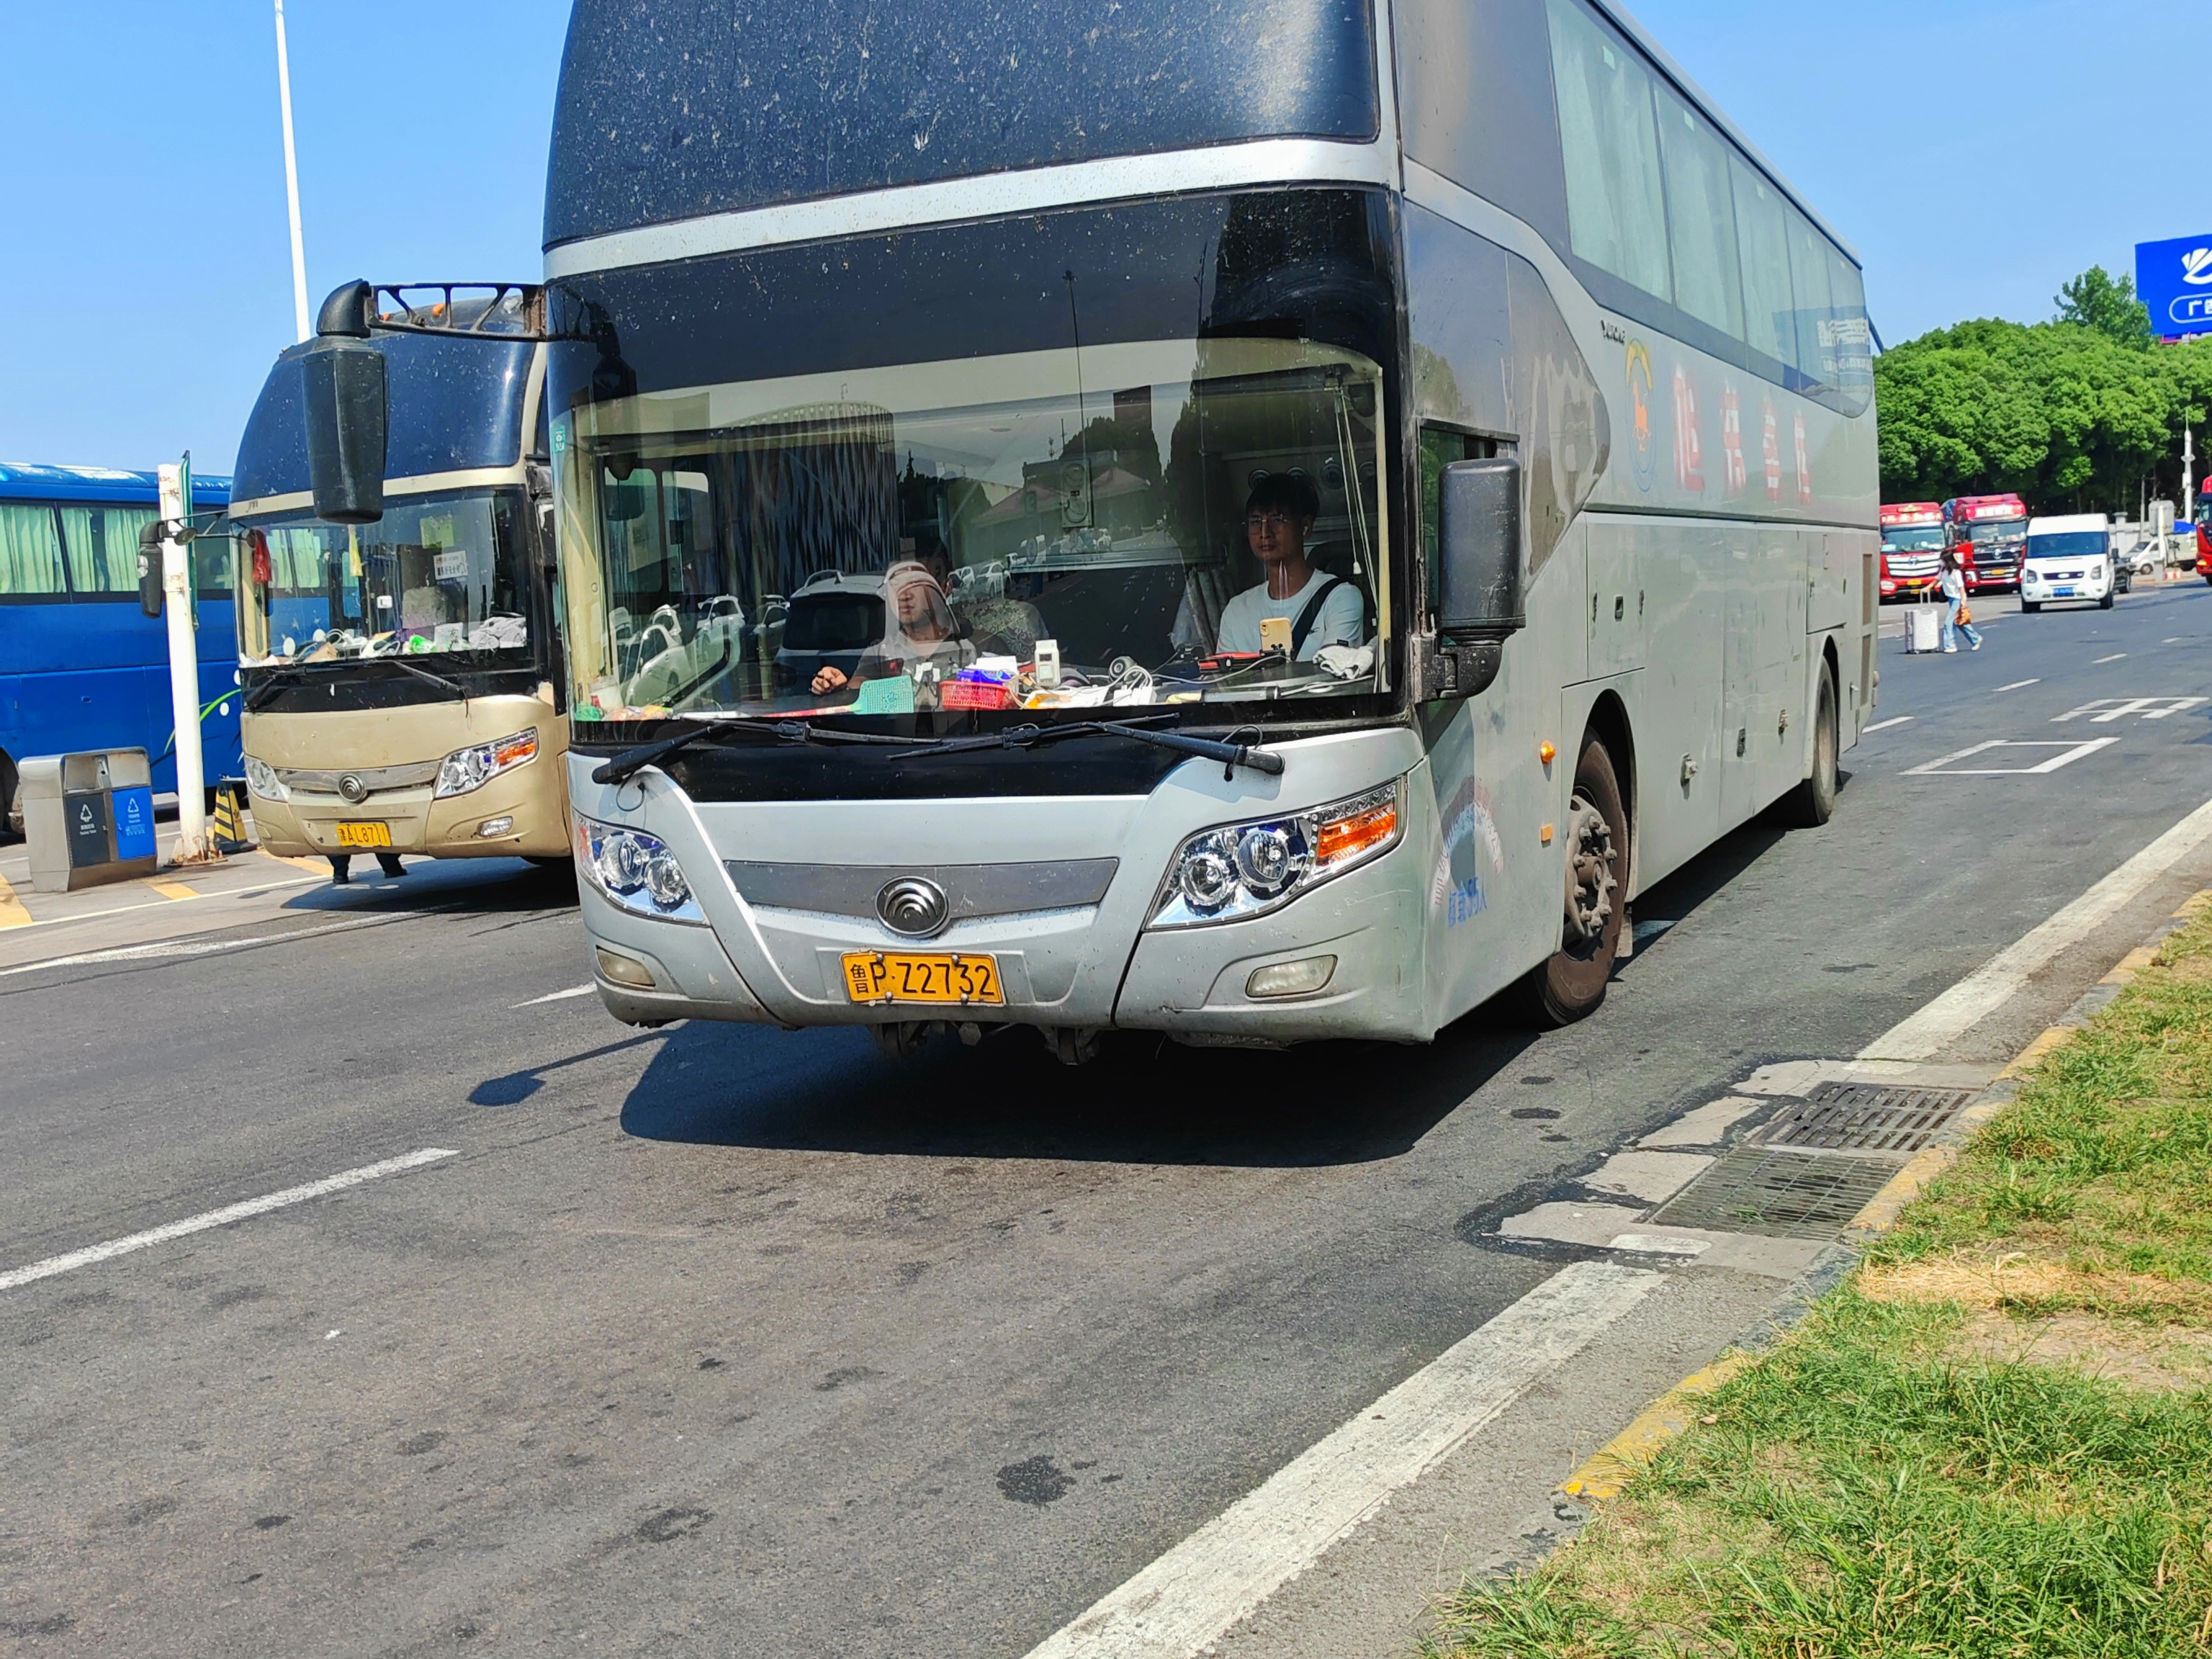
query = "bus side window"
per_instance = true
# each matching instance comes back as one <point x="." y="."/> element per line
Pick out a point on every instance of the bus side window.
<point x="1615" y="202"/>
<point x="31" y="553"/>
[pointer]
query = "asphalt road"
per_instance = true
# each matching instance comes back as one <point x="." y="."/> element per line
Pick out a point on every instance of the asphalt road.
<point x="720" y="1340"/>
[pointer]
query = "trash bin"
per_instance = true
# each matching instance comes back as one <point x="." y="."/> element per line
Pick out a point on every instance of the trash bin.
<point x="1923" y="628"/>
<point x="89" y="818"/>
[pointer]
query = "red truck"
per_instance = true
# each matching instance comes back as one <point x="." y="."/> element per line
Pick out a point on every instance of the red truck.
<point x="1991" y="532"/>
<point x="1911" y="548"/>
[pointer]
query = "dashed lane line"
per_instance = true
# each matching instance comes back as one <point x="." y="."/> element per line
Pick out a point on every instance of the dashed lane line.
<point x="204" y="947"/>
<point x="223" y="1218"/>
<point x="2115" y="657"/>
<point x="558" y="996"/>
<point x="1926" y="1033"/>
<point x="2018" y="685"/>
<point x="1884" y="725"/>
<point x="1189" y="1597"/>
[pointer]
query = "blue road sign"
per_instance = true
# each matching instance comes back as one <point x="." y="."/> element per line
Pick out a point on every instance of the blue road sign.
<point x="2175" y="280"/>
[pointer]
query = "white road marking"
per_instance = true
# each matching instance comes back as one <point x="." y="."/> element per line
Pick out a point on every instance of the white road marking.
<point x="1883" y="725"/>
<point x="1941" y="767"/>
<point x="558" y="996"/>
<point x="216" y="893"/>
<point x="2115" y="657"/>
<point x="1923" y="1035"/>
<point x="2017" y="684"/>
<point x="200" y="947"/>
<point x="223" y="1218"/>
<point x="2105" y="710"/>
<point x="1188" y="1597"/>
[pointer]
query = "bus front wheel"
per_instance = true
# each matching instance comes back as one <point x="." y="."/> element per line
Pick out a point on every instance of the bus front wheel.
<point x="1571" y="984"/>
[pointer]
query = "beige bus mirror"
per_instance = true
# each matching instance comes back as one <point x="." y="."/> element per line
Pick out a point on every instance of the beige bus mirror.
<point x="347" y="407"/>
<point x="1479" y="547"/>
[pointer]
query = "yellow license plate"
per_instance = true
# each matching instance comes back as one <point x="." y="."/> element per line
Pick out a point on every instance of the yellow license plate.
<point x="922" y="976"/>
<point x="364" y="834"/>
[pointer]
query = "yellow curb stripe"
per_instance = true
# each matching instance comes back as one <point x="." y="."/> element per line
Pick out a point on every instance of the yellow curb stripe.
<point x="1609" y="1469"/>
<point x="2131" y="964"/>
<point x="12" y="913"/>
<point x="1613" y="1465"/>
<point x="175" y="889"/>
<point x="1881" y="1212"/>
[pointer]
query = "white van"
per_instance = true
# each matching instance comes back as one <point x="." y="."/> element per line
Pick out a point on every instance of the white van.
<point x="2070" y="557"/>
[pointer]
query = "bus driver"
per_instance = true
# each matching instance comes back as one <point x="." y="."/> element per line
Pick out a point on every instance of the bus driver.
<point x="1321" y="609"/>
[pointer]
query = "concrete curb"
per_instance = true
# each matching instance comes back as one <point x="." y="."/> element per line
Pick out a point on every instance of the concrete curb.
<point x="1613" y="1466"/>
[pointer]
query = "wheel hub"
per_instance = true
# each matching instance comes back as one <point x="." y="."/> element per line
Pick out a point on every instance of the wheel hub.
<point x="1590" y="881"/>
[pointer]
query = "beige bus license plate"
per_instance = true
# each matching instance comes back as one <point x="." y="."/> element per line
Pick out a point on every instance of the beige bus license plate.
<point x="364" y="834"/>
<point x="922" y="976"/>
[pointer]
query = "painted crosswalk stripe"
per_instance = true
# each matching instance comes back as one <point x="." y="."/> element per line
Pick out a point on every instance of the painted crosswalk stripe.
<point x="1189" y="1597"/>
<point x="223" y="1218"/>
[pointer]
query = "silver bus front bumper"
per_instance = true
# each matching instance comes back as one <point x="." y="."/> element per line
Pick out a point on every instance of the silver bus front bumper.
<point x="1087" y="965"/>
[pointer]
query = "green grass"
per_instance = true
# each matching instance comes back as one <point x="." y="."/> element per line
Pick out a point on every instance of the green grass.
<point x="1874" y="1486"/>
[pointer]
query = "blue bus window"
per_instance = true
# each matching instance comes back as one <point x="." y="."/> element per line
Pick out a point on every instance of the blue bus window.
<point x="103" y="547"/>
<point x="30" y="551"/>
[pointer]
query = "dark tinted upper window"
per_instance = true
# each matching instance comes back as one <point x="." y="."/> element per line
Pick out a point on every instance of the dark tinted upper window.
<point x="666" y="111"/>
<point x="456" y="405"/>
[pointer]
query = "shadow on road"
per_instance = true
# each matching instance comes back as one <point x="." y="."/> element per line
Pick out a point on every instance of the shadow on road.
<point x="1142" y="1101"/>
<point x="490" y="886"/>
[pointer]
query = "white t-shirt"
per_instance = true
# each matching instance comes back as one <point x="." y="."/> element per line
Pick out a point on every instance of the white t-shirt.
<point x="1342" y="620"/>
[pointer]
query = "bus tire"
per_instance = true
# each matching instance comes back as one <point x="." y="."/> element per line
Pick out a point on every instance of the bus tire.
<point x="1570" y="985"/>
<point x="1813" y="802"/>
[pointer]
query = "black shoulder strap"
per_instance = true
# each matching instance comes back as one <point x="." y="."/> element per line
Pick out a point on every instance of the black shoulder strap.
<point x="1310" y="614"/>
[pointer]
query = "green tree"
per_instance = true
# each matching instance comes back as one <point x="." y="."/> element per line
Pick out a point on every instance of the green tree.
<point x="2097" y="300"/>
<point x="2068" y="415"/>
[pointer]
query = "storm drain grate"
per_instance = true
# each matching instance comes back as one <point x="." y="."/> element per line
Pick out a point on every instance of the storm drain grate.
<point x="1778" y="1194"/>
<point x="1865" y="1117"/>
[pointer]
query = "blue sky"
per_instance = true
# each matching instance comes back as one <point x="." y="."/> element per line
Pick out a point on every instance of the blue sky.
<point x="1977" y="155"/>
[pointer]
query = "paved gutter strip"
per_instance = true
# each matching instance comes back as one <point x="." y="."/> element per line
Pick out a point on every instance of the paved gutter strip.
<point x="1604" y="1473"/>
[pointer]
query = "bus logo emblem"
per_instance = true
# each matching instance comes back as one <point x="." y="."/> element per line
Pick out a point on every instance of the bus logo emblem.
<point x="913" y="905"/>
<point x="353" y="789"/>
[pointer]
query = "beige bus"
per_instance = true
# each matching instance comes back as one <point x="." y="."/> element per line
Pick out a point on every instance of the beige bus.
<point x="403" y="689"/>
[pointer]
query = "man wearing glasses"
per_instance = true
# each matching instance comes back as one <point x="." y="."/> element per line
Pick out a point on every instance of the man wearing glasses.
<point x="1313" y="607"/>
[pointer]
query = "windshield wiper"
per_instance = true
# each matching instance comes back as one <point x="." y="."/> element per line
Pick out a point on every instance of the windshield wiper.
<point x="1231" y="755"/>
<point x="453" y="686"/>
<point x="281" y="677"/>
<point x="620" y="767"/>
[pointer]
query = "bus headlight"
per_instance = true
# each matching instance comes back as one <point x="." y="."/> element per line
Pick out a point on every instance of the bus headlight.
<point x="1243" y="869"/>
<point x="637" y="871"/>
<point x="261" y="778"/>
<point x="472" y="768"/>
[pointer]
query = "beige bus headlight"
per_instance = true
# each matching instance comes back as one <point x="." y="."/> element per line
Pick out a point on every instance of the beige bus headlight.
<point x="637" y="871"/>
<point x="472" y="768"/>
<point x="1243" y="870"/>
<point x="261" y="778"/>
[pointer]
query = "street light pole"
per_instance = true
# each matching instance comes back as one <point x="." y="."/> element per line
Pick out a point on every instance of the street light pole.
<point x="292" y="182"/>
<point x="184" y="670"/>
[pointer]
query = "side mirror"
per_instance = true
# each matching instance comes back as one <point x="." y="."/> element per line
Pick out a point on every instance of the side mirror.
<point x="348" y="408"/>
<point x="149" y="568"/>
<point x="1478" y="546"/>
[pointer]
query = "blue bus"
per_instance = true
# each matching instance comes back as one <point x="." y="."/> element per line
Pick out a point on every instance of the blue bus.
<point x="81" y="665"/>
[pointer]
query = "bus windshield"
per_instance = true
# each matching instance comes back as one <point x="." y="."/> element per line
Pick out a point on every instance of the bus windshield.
<point x="439" y="573"/>
<point x="1133" y="523"/>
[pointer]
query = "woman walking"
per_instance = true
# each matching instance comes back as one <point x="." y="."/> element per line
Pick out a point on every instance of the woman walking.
<point x="1954" y="608"/>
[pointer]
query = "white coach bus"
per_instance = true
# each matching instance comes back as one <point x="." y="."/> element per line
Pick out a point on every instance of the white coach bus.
<point x="1251" y="520"/>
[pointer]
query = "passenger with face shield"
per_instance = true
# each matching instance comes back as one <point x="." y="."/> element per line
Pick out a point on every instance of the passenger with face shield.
<point x="920" y="634"/>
